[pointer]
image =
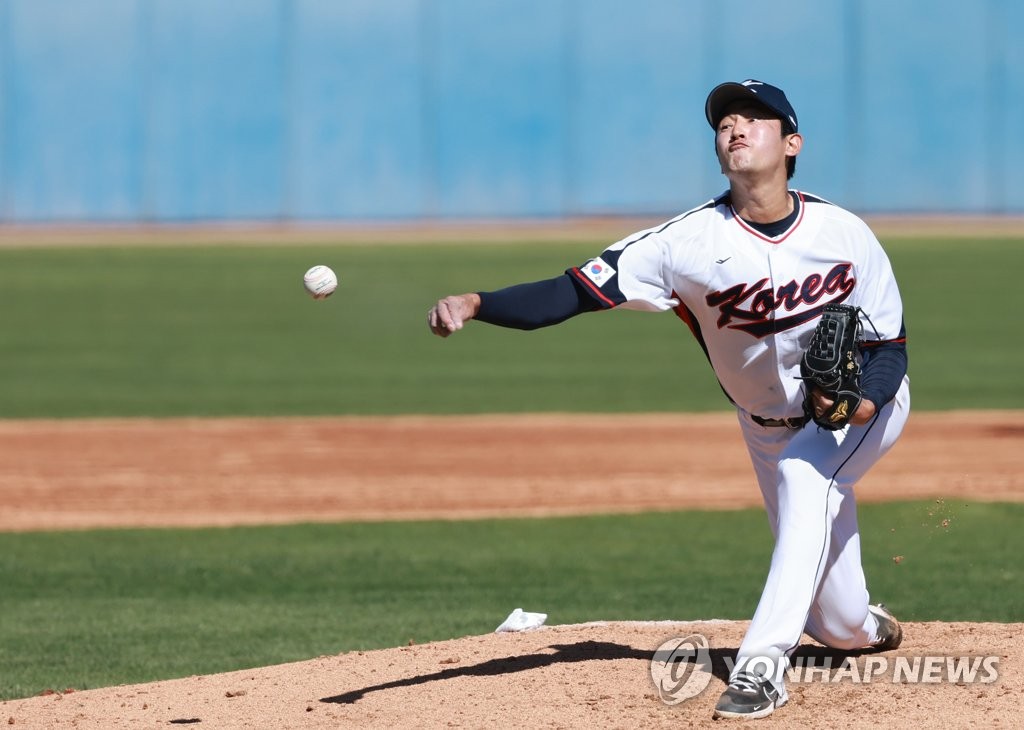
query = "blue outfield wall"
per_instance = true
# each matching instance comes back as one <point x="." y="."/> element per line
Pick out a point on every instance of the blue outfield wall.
<point x="184" y="110"/>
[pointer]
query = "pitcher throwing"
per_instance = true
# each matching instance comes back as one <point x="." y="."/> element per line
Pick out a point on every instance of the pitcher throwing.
<point x="750" y="273"/>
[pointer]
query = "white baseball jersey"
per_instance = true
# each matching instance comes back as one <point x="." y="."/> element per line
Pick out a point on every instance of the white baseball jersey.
<point x="752" y="300"/>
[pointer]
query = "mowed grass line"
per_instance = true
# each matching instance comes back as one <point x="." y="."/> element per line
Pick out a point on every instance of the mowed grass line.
<point x="221" y="331"/>
<point x="98" y="608"/>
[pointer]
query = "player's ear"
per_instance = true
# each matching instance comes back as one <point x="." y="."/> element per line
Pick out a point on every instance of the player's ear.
<point x="794" y="143"/>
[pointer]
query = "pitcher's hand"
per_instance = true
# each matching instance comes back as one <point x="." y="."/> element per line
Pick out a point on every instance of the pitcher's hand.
<point x="451" y="313"/>
<point x="822" y="403"/>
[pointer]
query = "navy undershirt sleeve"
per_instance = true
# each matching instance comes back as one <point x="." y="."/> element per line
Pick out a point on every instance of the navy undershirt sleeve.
<point x="534" y="305"/>
<point x="884" y="367"/>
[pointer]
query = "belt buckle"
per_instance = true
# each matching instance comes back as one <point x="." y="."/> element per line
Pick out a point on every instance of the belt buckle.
<point x="793" y="423"/>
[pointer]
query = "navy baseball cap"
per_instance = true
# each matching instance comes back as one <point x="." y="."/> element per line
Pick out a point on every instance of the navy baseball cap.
<point x="768" y="96"/>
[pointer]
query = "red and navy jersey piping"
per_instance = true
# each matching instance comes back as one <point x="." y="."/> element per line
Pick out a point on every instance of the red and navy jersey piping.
<point x="612" y="259"/>
<point x="776" y="231"/>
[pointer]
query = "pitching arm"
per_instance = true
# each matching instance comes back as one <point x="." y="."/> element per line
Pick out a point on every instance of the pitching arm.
<point x="523" y="306"/>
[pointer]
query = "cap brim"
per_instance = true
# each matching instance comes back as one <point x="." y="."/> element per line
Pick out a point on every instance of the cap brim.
<point x="725" y="94"/>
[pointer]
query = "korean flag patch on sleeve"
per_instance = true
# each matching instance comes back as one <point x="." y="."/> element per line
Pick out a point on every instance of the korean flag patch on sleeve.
<point x="597" y="271"/>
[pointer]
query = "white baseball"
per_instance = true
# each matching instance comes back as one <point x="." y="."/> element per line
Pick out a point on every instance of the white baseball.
<point x="320" y="281"/>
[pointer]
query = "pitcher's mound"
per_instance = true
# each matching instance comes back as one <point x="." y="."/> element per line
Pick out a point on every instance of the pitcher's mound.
<point x="589" y="675"/>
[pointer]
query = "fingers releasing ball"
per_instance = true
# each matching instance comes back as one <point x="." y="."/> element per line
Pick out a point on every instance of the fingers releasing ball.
<point x="320" y="281"/>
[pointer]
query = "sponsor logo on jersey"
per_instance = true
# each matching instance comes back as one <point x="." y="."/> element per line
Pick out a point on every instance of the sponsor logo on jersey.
<point x="752" y="308"/>
<point x="597" y="271"/>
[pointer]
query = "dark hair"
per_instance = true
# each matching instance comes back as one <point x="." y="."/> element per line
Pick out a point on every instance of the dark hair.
<point x="790" y="159"/>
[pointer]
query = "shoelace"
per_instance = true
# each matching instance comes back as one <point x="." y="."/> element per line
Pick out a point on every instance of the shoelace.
<point x="745" y="683"/>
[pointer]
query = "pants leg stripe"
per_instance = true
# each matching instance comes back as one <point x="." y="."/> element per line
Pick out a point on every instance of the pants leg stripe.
<point x="825" y="547"/>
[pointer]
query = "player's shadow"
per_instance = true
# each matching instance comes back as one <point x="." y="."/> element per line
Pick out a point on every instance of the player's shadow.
<point x="584" y="651"/>
<point x="563" y="653"/>
<point x="821" y="655"/>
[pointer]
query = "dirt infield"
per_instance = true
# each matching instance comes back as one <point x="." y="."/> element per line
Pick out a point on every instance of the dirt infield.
<point x="195" y="472"/>
<point x="81" y="474"/>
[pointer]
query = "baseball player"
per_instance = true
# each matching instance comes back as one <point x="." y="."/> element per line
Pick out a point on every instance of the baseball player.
<point x="749" y="273"/>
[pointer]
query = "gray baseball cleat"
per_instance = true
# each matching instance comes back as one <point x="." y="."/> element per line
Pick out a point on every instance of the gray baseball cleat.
<point x="748" y="697"/>
<point x="890" y="633"/>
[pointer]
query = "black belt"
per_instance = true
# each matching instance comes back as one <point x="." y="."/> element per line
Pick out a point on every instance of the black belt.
<point x="794" y="423"/>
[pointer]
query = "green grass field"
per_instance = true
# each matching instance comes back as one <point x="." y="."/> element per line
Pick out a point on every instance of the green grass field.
<point x="228" y="331"/>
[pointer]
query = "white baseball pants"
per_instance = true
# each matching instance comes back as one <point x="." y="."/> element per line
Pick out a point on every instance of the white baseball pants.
<point x="816" y="581"/>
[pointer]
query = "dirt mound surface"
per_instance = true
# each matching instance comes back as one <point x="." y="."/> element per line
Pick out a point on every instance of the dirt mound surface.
<point x="591" y="675"/>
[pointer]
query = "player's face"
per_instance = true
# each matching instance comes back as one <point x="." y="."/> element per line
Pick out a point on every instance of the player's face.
<point x="749" y="140"/>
